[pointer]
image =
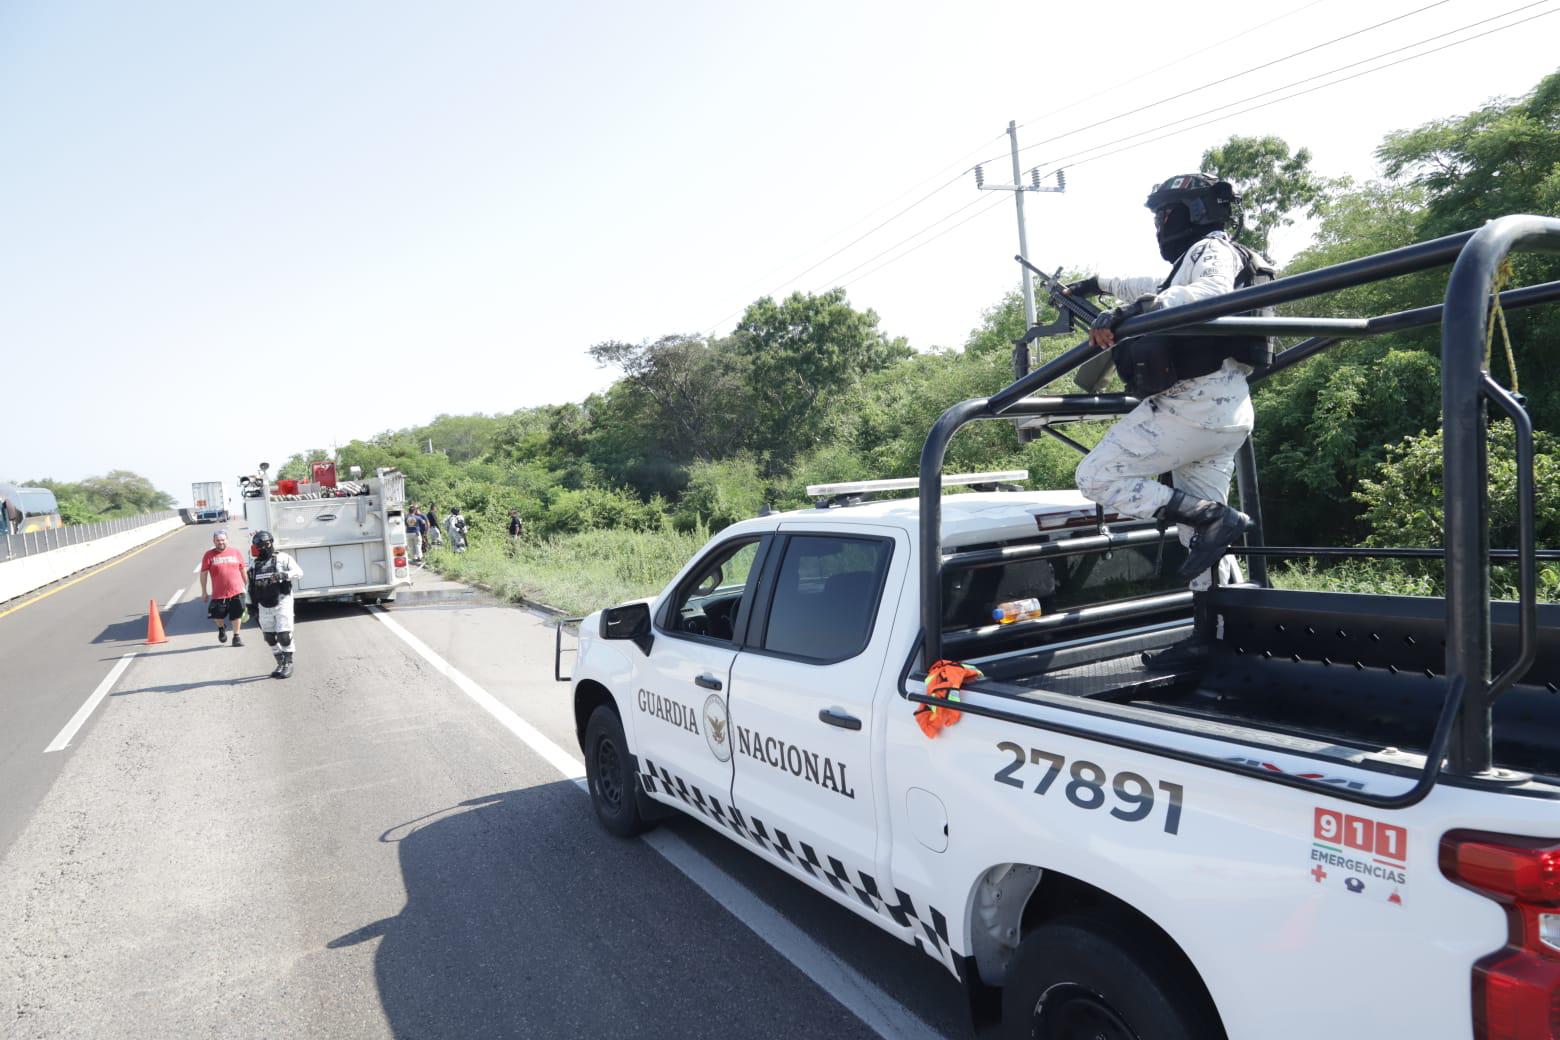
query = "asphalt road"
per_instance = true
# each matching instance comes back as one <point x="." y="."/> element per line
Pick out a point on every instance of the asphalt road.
<point x="365" y="851"/>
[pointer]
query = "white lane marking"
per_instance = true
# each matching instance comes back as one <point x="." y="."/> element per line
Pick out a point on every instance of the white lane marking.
<point x="173" y="599"/>
<point x="84" y="712"/>
<point x="876" y="1009"/>
<point x="558" y="758"/>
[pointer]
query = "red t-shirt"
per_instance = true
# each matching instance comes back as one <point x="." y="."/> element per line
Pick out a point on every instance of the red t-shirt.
<point x="226" y="567"/>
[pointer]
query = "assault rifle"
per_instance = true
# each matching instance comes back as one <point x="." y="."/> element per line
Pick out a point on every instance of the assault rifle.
<point x="1074" y="313"/>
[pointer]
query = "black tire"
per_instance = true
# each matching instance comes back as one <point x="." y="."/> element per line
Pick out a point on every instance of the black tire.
<point x="614" y="789"/>
<point x="1079" y="978"/>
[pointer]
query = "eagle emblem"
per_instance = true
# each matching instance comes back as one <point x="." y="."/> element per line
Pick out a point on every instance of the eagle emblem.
<point x="715" y="722"/>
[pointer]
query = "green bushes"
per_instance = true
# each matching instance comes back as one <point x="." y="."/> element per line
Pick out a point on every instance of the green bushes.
<point x="575" y="573"/>
<point x="721" y="493"/>
<point x="595" y="508"/>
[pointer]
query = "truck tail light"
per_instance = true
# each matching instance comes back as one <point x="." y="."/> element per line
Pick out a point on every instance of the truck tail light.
<point x="1516" y="989"/>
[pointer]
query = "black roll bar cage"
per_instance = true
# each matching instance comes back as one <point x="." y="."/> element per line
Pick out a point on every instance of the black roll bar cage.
<point x="1463" y="730"/>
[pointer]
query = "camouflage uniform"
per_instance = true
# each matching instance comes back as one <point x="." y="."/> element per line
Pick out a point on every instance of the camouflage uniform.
<point x="1191" y="430"/>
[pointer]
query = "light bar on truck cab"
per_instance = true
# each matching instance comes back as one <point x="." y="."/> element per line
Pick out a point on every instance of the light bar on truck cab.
<point x="863" y="487"/>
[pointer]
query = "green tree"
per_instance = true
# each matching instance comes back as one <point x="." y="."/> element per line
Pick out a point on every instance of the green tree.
<point x="690" y="389"/>
<point x="298" y="466"/>
<point x="1327" y="427"/>
<point x="801" y="355"/>
<point x="1404" y="507"/>
<point x="721" y="493"/>
<point x="1272" y="184"/>
<point x="1498" y="159"/>
<point x="117" y="493"/>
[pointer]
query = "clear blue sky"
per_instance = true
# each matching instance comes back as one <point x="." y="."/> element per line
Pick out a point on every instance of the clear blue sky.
<point x="231" y="232"/>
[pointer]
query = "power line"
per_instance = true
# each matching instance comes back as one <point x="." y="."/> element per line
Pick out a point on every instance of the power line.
<point x="1233" y="76"/>
<point x="1311" y="90"/>
<point x="902" y="241"/>
<point x="872" y="231"/>
<point x="1366" y="72"/>
<point x="1295" y="83"/>
<point x="866" y="234"/>
<point x="1069" y="106"/>
<point x="954" y="180"/>
<point x="918" y="245"/>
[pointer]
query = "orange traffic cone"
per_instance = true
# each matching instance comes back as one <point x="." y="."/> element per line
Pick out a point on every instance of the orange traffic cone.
<point x="154" y="630"/>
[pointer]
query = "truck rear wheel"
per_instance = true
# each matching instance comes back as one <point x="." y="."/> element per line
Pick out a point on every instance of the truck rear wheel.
<point x="614" y="789"/>
<point x="1079" y="978"/>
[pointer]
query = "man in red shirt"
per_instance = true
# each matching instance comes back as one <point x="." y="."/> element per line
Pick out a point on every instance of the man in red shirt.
<point x="227" y="572"/>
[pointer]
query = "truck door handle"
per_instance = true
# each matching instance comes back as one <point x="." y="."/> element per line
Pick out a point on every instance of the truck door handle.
<point x="708" y="681"/>
<point x="836" y="717"/>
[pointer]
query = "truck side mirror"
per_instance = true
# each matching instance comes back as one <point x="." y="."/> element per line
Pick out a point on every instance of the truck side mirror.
<point x="631" y="621"/>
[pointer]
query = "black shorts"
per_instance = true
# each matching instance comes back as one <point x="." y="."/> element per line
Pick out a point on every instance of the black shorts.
<point x="231" y="608"/>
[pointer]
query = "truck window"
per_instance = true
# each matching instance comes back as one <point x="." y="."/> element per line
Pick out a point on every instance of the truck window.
<point x="1065" y="583"/>
<point x="1086" y="581"/>
<point x="825" y="596"/>
<point x="708" y="602"/>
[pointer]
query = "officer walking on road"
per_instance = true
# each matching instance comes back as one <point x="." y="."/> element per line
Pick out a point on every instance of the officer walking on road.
<point x="271" y="580"/>
<point x="1196" y="407"/>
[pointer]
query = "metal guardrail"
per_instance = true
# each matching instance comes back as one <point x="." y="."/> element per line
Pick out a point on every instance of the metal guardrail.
<point x="15" y="546"/>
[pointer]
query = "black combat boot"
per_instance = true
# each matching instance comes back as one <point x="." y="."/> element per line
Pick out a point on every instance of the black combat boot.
<point x="281" y="659"/>
<point x="1215" y="527"/>
<point x="287" y="667"/>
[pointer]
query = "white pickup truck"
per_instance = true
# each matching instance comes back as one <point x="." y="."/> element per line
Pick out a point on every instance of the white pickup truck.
<point x="1343" y="822"/>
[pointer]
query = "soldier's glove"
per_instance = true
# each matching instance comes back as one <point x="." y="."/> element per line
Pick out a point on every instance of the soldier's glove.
<point x="1116" y="315"/>
<point x="1090" y="286"/>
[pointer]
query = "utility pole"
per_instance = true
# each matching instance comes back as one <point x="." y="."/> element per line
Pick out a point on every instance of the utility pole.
<point x="1018" y="188"/>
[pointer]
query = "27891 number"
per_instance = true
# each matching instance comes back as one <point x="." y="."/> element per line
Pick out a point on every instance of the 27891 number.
<point x="1087" y="783"/>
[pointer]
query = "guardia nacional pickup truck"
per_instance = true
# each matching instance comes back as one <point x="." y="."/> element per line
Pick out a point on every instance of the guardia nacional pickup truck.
<point x="1343" y="822"/>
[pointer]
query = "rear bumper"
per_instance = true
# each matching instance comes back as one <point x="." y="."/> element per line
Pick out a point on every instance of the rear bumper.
<point x="347" y="591"/>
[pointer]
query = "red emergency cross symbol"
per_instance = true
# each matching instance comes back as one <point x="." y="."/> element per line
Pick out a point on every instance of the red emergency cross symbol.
<point x="1318" y="873"/>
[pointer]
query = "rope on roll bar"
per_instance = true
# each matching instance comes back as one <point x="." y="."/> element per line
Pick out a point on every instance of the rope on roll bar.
<point x="1497" y="315"/>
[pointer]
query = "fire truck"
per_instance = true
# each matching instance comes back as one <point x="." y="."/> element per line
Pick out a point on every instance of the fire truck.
<point x="349" y="536"/>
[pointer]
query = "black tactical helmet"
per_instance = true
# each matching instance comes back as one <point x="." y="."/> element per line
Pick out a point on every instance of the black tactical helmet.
<point x="1186" y="207"/>
<point x="1207" y="199"/>
<point x="261" y="544"/>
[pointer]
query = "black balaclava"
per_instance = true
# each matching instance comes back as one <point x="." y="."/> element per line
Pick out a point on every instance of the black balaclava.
<point x="1177" y="233"/>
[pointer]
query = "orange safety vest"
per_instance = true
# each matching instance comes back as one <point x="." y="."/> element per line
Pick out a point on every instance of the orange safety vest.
<point x="944" y="677"/>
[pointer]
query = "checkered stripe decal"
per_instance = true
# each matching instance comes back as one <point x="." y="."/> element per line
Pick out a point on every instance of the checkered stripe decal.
<point x="931" y="935"/>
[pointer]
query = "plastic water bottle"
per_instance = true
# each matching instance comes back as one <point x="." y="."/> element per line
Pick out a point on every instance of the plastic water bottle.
<point x="1015" y="610"/>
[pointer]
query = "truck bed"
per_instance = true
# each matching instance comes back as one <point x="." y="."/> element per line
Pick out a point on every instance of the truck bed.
<point x="1359" y="670"/>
